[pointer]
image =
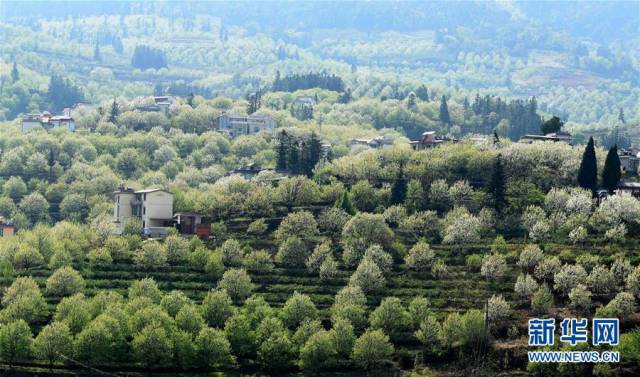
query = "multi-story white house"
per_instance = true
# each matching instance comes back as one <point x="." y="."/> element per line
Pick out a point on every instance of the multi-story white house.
<point x="47" y="121"/>
<point x="235" y="125"/>
<point x="153" y="206"/>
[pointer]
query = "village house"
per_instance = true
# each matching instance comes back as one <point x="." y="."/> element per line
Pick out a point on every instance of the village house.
<point x="154" y="207"/>
<point x="561" y="136"/>
<point x="304" y="101"/>
<point x="632" y="188"/>
<point x="48" y="122"/>
<point x="7" y="229"/>
<point x="429" y="139"/>
<point x="235" y="125"/>
<point x="191" y="223"/>
<point x="378" y="142"/>
<point x="248" y="171"/>
<point x="629" y="160"/>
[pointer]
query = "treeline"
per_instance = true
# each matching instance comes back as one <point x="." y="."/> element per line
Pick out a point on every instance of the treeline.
<point x="145" y="57"/>
<point x="182" y="89"/>
<point x="298" y="155"/>
<point x="291" y="83"/>
<point x="63" y="93"/>
<point x="521" y="115"/>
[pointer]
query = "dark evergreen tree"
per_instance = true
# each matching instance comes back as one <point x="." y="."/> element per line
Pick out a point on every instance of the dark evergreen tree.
<point x="345" y="97"/>
<point x="294" y="157"/>
<point x="283" y="151"/>
<point x="444" y="111"/>
<point x="282" y="53"/>
<point x="312" y="152"/>
<point x="423" y="93"/>
<point x="621" y="116"/>
<point x="15" y="75"/>
<point x="294" y="82"/>
<point x="96" y="53"/>
<point x="190" y="100"/>
<point x="588" y="173"/>
<point x="145" y="57"/>
<point x="611" y="173"/>
<point x="411" y="101"/>
<point x="552" y="125"/>
<point x="497" y="185"/>
<point x="114" y="112"/>
<point x="116" y="43"/>
<point x="399" y="187"/>
<point x="344" y="203"/>
<point x="62" y="93"/>
<point x="254" y="102"/>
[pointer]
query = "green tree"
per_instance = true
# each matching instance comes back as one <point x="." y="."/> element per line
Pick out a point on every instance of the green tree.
<point x="292" y="252"/>
<point x="189" y="319"/>
<point x="217" y="307"/>
<point x="146" y="287"/>
<point x="65" y="281"/>
<point x="15" y="341"/>
<point x="114" y="112"/>
<point x="53" y="343"/>
<point x="152" y="346"/>
<point x="391" y="317"/>
<point x="588" y="173"/>
<point x="611" y="173"/>
<point x="372" y="350"/>
<point x="240" y="334"/>
<point x="318" y="352"/>
<point x="213" y="348"/>
<point x="276" y="352"/>
<point x="35" y="207"/>
<point x="151" y="255"/>
<point x="237" y="283"/>
<point x="298" y="308"/>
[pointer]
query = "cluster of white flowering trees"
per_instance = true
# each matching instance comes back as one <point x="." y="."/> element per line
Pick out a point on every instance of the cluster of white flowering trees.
<point x="583" y="285"/>
<point x="572" y="214"/>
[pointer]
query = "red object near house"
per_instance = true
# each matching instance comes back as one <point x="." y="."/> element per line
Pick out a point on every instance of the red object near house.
<point x="203" y="230"/>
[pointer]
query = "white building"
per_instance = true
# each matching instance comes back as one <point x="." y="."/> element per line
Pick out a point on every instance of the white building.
<point x="153" y="206"/>
<point x="236" y="125"/>
<point x="48" y="122"/>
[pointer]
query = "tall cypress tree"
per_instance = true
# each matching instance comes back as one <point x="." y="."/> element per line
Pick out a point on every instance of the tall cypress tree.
<point x="15" y="75"/>
<point x="611" y="173"/>
<point x="497" y="185"/>
<point x="115" y="110"/>
<point x="344" y="203"/>
<point x="96" y="53"/>
<point x="588" y="173"/>
<point x="312" y="151"/>
<point x="283" y="151"/>
<point x="399" y="188"/>
<point x="444" y="111"/>
<point x="294" y="157"/>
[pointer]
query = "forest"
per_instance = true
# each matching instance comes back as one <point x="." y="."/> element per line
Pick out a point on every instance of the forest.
<point x="324" y="253"/>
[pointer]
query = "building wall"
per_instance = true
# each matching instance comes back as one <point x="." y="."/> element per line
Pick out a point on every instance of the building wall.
<point x="157" y="207"/>
<point x="122" y="209"/>
<point x="28" y="125"/>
